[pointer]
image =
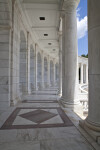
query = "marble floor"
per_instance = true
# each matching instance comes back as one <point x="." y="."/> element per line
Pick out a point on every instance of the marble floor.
<point x="40" y="125"/>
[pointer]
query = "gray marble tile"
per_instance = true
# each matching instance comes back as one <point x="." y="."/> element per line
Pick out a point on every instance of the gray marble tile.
<point x="64" y="144"/>
<point x="20" y="146"/>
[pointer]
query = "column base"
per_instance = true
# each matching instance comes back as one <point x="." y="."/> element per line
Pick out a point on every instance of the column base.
<point x="91" y="125"/>
<point x="14" y="102"/>
<point x="59" y="93"/>
<point x="92" y="130"/>
<point x="68" y="104"/>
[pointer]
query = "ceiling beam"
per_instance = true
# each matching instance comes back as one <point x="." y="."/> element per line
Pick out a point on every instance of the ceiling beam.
<point x="49" y="40"/>
<point x="53" y="47"/>
<point x="45" y="27"/>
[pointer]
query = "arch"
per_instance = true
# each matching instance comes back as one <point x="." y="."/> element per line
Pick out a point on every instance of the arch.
<point x="22" y="64"/>
<point x="45" y="72"/>
<point x="51" y="72"/>
<point x="32" y="71"/>
<point x="39" y="70"/>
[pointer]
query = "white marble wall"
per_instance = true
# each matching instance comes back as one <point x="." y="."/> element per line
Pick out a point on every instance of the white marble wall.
<point x="5" y="53"/>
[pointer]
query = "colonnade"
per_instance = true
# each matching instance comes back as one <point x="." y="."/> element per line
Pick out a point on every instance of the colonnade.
<point x="24" y="68"/>
<point x="43" y="71"/>
<point x="70" y="63"/>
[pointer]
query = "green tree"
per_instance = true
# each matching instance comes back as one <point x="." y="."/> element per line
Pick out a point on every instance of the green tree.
<point x="83" y="55"/>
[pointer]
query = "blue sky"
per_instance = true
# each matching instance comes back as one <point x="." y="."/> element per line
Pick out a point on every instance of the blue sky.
<point x="82" y="27"/>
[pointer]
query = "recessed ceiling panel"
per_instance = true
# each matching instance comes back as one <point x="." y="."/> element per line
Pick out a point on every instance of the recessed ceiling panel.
<point x="50" y="18"/>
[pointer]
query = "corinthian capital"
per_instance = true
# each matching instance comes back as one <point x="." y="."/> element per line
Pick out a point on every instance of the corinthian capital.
<point x="70" y="5"/>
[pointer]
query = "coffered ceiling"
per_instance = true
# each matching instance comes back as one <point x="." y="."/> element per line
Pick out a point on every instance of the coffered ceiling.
<point x="44" y="19"/>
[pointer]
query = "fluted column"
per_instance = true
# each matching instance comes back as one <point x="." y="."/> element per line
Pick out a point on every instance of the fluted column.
<point x="28" y="89"/>
<point x="93" y="119"/>
<point x="60" y="63"/>
<point x="48" y="71"/>
<point x="81" y="73"/>
<point x="54" y="70"/>
<point x="35" y="68"/>
<point x="42" y="71"/>
<point x="70" y="54"/>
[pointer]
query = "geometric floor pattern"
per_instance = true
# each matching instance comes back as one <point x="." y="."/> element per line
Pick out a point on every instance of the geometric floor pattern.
<point x="36" y="117"/>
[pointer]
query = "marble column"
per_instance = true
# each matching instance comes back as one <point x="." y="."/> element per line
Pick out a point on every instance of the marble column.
<point x="60" y="63"/>
<point x="81" y="73"/>
<point x="54" y="71"/>
<point x="42" y="71"/>
<point x="93" y="119"/>
<point x="86" y="74"/>
<point x="35" y="68"/>
<point x="28" y="90"/>
<point x="70" y="54"/>
<point x="48" y="71"/>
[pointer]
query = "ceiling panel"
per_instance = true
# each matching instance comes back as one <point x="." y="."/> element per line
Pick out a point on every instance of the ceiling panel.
<point x="51" y="33"/>
<point x="50" y="18"/>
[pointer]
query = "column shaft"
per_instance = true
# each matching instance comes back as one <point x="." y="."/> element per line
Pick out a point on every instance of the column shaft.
<point x="93" y="119"/>
<point x="42" y="71"/>
<point x="54" y="73"/>
<point x="35" y="69"/>
<point x="48" y="71"/>
<point x="60" y="64"/>
<point x="28" y="66"/>
<point x="70" y="59"/>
